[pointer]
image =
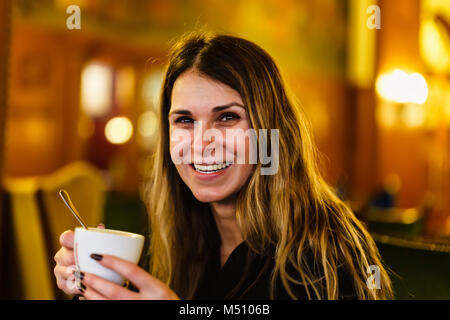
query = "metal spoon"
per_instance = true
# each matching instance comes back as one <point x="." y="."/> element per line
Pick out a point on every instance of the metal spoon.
<point x="65" y="197"/>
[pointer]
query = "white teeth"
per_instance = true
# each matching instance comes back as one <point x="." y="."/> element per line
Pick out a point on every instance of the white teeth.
<point x="211" y="168"/>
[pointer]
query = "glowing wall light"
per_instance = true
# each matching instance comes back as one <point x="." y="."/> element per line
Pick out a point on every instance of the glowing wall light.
<point x="399" y="86"/>
<point x="434" y="46"/>
<point x="96" y="89"/>
<point x="118" y="130"/>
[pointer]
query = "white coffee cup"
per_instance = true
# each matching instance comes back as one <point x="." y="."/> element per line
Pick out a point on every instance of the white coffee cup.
<point x="125" y="245"/>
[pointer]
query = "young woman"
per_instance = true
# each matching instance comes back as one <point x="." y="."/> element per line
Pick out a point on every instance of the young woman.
<point x="220" y="227"/>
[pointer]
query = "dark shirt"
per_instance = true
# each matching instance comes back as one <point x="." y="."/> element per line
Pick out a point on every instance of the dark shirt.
<point x="253" y="272"/>
<point x="247" y="276"/>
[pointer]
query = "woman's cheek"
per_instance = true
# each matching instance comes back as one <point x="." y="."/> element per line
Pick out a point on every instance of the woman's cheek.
<point x="180" y="146"/>
<point x="241" y="143"/>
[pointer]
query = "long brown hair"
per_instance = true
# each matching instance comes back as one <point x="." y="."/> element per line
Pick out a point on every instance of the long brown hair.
<point x="294" y="210"/>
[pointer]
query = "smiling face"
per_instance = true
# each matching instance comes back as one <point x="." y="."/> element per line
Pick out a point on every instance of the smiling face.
<point x="213" y="167"/>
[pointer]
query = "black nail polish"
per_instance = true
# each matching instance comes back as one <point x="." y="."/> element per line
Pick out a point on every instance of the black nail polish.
<point x="81" y="287"/>
<point x="97" y="257"/>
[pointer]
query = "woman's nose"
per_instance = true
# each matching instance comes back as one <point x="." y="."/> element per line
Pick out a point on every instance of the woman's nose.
<point x="198" y="143"/>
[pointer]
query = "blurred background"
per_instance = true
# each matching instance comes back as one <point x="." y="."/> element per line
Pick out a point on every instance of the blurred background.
<point x="79" y="111"/>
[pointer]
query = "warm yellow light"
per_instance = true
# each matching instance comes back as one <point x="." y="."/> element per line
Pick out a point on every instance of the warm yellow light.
<point x="410" y="216"/>
<point x="147" y="123"/>
<point x="36" y="130"/>
<point x="151" y="88"/>
<point x="96" y="89"/>
<point x="433" y="46"/>
<point x="447" y="109"/>
<point x="118" y="130"/>
<point x="386" y="114"/>
<point x="413" y="115"/>
<point x="401" y="87"/>
<point x="125" y="86"/>
<point x="361" y="44"/>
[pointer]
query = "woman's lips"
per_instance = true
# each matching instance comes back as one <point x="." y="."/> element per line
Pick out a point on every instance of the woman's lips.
<point x="208" y="176"/>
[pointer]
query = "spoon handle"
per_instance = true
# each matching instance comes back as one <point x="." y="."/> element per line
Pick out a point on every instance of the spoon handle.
<point x="65" y="197"/>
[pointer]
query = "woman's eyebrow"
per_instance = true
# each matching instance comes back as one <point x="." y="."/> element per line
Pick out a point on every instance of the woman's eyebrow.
<point x="215" y="109"/>
<point x="226" y="106"/>
<point x="185" y="112"/>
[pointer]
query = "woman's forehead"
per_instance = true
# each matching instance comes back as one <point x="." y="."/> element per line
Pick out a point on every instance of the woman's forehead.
<point x="193" y="90"/>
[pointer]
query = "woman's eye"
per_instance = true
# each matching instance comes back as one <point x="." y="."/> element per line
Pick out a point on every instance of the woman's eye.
<point x="184" y="120"/>
<point x="228" y="116"/>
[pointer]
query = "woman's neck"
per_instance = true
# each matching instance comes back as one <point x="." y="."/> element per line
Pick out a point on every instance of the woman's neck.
<point x="230" y="234"/>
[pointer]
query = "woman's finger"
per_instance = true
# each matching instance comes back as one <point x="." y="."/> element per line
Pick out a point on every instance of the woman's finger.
<point x="91" y="294"/>
<point x="139" y="277"/>
<point x="65" y="272"/>
<point x="65" y="257"/>
<point x="105" y="288"/>
<point x="66" y="239"/>
<point x="65" y="279"/>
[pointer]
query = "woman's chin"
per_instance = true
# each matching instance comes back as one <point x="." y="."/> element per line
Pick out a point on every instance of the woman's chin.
<point x="208" y="196"/>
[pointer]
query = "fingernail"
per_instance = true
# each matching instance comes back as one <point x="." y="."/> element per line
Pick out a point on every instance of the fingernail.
<point x="97" y="257"/>
<point x="81" y="287"/>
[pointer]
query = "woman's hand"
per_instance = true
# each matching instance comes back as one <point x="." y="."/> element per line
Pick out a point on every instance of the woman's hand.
<point x="65" y="263"/>
<point x="97" y="288"/>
